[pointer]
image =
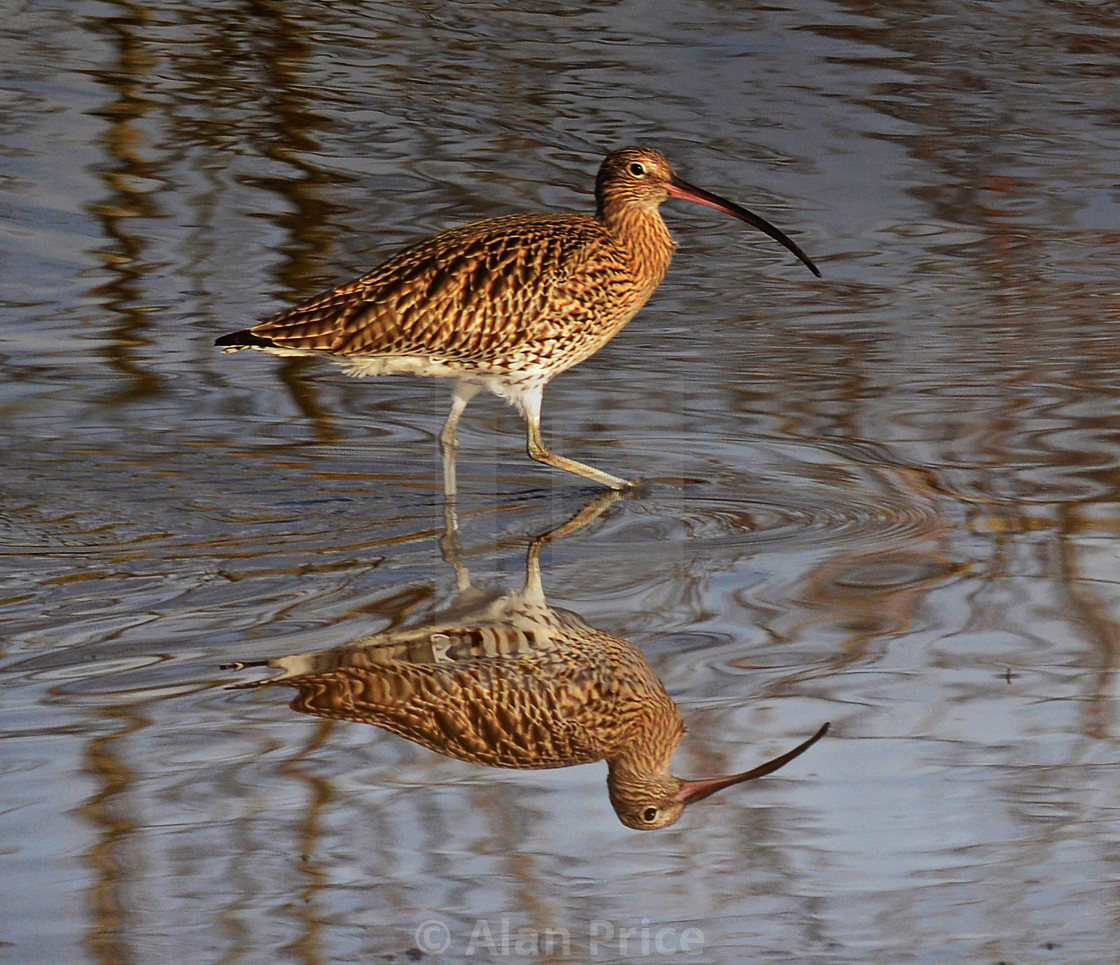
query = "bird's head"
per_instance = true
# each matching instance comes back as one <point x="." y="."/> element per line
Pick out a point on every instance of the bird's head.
<point x="639" y="178"/>
<point x="646" y="802"/>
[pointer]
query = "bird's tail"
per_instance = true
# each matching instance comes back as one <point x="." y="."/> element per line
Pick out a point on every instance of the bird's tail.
<point x="236" y="341"/>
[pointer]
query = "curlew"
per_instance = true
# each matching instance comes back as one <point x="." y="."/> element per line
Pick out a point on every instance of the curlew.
<point x="505" y="304"/>
<point x="505" y="680"/>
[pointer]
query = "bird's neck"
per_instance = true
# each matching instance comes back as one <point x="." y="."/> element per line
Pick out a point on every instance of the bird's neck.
<point x="642" y="234"/>
<point x="647" y="740"/>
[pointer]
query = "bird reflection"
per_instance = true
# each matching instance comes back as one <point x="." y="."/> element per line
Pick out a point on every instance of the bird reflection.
<point x="509" y="681"/>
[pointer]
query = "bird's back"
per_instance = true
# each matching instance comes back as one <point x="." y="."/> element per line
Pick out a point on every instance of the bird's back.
<point x="502" y="294"/>
<point x="542" y="690"/>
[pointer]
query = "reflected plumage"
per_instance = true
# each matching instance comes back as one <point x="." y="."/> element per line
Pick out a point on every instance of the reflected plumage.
<point x="508" y="681"/>
<point x="505" y="304"/>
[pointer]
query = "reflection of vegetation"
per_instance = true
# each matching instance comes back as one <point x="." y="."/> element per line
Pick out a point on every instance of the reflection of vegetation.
<point x="128" y="180"/>
<point x="508" y="681"/>
<point x="234" y="62"/>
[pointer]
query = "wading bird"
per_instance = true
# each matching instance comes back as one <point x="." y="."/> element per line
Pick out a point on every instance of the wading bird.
<point x="505" y="304"/>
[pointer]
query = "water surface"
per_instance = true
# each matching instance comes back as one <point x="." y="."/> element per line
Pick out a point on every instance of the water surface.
<point x="889" y="499"/>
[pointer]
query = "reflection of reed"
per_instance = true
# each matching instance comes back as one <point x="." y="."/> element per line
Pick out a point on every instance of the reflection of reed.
<point x="508" y="681"/>
<point x="126" y="179"/>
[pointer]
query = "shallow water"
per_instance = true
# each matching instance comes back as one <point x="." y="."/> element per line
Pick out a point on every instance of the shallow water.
<point x="889" y="499"/>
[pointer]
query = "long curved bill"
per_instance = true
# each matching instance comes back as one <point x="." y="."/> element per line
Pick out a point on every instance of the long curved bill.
<point x="682" y="189"/>
<point x="693" y="791"/>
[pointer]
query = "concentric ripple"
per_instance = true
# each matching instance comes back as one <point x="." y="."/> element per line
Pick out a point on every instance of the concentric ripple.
<point x="840" y="506"/>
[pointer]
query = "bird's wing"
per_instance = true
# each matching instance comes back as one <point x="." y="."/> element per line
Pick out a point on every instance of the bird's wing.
<point x="487" y="713"/>
<point x="479" y="291"/>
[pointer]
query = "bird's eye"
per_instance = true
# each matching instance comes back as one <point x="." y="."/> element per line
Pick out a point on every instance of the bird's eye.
<point x="637" y="169"/>
<point x="649" y="815"/>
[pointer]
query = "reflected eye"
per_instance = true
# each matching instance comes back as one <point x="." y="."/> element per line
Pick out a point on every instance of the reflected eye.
<point x="637" y="169"/>
<point x="649" y="815"/>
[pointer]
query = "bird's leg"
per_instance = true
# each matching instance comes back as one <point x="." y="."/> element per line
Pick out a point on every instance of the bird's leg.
<point x="530" y="405"/>
<point x="450" y="547"/>
<point x="449" y="437"/>
<point x="448" y="446"/>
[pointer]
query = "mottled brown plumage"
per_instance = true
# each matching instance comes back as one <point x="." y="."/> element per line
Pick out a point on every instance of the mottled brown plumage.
<point x="504" y="304"/>
<point x="508" y="681"/>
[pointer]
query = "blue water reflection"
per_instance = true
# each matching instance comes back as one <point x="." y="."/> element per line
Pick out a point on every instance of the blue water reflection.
<point x="887" y="499"/>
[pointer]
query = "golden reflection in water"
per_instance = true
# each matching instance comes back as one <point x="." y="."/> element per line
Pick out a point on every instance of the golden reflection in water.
<point x="112" y="810"/>
<point x="144" y="135"/>
<point x="129" y="179"/>
<point x="509" y="681"/>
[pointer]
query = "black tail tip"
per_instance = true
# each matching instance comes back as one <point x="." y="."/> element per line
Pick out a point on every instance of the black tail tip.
<point x="243" y="339"/>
